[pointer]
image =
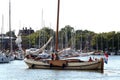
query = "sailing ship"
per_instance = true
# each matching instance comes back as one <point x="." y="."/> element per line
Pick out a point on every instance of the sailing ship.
<point x="56" y="62"/>
<point x="19" y="54"/>
<point x="3" y="56"/>
<point x="10" y="51"/>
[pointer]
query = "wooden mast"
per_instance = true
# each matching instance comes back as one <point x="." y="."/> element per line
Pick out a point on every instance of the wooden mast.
<point x="57" y="26"/>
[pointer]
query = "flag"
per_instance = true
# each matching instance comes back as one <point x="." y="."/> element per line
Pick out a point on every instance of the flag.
<point x="106" y="57"/>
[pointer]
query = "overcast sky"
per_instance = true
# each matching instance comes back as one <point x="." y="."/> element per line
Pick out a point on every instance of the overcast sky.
<point x="94" y="15"/>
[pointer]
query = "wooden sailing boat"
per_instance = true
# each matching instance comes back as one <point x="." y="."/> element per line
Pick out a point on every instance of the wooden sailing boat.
<point x="66" y="64"/>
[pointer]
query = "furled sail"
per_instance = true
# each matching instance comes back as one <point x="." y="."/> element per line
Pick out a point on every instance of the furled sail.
<point x="38" y="51"/>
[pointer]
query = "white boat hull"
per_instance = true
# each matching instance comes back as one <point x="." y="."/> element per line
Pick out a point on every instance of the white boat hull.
<point x="4" y="59"/>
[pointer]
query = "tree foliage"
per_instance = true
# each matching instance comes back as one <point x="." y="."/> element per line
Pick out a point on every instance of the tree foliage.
<point x="79" y="39"/>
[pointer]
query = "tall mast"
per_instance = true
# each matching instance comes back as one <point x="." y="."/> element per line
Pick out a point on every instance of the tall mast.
<point x="2" y="32"/>
<point x="41" y="25"/>
<point x="10" y="26"/>
<point x="56" y="46"/>
<point x="118" y="43"/>
<point x="81" y="41"/>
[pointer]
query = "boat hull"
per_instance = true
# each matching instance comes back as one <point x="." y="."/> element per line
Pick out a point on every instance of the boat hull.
<point x="45" y="64"/>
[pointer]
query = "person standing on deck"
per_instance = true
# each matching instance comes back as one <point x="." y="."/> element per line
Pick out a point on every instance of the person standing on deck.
<point x="57" y="57"/>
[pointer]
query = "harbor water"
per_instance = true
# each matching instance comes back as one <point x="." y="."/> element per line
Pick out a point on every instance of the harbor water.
<point x="18" y="70"/>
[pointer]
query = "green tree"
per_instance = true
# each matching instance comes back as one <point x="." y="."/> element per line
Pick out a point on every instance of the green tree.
<point x="11" y="33"/>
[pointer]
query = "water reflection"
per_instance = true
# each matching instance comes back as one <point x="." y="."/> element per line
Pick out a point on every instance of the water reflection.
<point x="18" y="70"/>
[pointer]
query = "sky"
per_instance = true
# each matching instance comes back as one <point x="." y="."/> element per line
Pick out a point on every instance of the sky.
<point x="94" y="15"/>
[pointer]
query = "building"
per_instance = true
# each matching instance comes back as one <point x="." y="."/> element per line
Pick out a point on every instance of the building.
<point x="26" y="31"/>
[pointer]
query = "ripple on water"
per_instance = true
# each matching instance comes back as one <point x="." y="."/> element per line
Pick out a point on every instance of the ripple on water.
<point x="17" y="70"/>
